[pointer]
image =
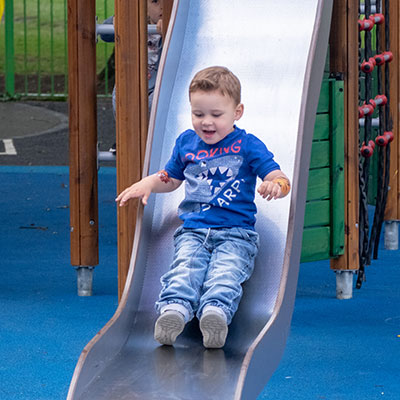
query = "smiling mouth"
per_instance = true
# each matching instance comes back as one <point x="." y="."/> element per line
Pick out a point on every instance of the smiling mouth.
<point x="206" y="132"/>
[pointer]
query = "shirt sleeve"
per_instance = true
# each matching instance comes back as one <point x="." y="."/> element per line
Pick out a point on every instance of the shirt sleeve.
<point x="260" y="159"/>
<point x="175" y="165"/>
<point x="108" y="37"/>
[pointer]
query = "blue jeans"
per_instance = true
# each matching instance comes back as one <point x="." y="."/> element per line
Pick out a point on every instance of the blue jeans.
<point x="209" y="268"/>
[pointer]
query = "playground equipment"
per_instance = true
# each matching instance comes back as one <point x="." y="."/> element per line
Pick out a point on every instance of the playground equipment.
<point x="261" y="324"/>
<point x="344" y="78"/>
<point x="123" y="360"/>
<point x="83" y="143"/>
<point x="376" y="55"/>
<point x="362" y="64"/>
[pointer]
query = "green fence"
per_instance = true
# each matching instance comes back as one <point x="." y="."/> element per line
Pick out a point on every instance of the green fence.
<point x="34" y="49"/>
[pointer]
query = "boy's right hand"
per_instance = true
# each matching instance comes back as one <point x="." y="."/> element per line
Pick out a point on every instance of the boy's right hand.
<point x="137" y="190"/>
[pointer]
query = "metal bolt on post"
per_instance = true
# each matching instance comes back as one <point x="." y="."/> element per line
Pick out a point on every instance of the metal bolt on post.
<point x="85" y="280"/>
<point x="344" y="285"/>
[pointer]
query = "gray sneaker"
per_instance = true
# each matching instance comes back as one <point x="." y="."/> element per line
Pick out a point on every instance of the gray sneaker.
<point x="168" y="327"/>
<point x="214" y="328"/>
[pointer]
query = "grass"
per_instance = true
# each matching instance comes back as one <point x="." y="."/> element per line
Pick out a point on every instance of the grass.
<point x="40" y="37"/>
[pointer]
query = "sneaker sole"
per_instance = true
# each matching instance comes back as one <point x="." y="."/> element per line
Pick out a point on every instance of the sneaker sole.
<point x="214" y="330"/>
<point x="168" y="327"/>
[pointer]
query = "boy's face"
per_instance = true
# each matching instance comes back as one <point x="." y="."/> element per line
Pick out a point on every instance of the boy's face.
<point x="154" y="10"/>
<point x="213" y="115"/>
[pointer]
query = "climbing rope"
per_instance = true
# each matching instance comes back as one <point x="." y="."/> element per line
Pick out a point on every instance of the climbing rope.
<point x="371" y="62"/>
<point x="388" y="131"/>
<point x="366" y="110"/>
<point x="381" y="165"/>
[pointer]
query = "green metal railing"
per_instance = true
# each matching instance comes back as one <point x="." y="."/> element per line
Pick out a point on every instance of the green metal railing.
<point x="34" y="49"/>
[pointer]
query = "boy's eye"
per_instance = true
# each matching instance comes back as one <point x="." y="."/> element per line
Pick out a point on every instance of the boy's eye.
<point x="198" y="115"/>
<point x="216" y="115"/>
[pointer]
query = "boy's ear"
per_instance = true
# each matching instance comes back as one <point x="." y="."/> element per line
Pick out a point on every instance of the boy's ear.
<point x="239" y="111"/>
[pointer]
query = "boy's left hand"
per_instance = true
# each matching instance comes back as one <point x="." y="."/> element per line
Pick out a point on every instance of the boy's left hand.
<point x="159" y="26"/>
<point x="270" y="190"/>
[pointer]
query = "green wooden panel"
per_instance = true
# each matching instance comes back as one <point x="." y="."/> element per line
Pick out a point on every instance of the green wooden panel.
<point x="317" y="213"/>
<point x="318" y="184"/>
<point x="324" y="98"/>
<point x="323" y="234"/>
<point x="316" y="244"/>
<point x="320" y="154"/>
<point x="321" y="129"/>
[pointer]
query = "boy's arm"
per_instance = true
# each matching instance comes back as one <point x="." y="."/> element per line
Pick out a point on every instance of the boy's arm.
<point x="146" y="186"/>
<point x="275" y="185"/>
<point x="105" y="36"/>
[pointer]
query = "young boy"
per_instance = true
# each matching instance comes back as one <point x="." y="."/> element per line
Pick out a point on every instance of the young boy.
<point x="216" y="245"/>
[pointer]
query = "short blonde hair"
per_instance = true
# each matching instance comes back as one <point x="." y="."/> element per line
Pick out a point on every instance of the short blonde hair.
<point x="217" y="78"/>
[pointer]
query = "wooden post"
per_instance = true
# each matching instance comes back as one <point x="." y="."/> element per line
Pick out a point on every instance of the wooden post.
<point x="82" y="133"/>
<point x="167" y="9"/>
<point x="344" y="61"/>
<point x="392" y="211"/>
<point x="131" y="115"/>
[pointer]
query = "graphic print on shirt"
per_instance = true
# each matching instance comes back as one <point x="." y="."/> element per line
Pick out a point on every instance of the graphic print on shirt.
<point x="211" y="182"/>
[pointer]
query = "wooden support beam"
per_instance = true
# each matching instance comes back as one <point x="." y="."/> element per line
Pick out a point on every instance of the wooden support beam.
<point x="392" y="211"/>
<point x="167" y="9"/>
<point x="344" y="61"/>
<point x="82" y="132"/>
<point x="131" y="116"/>
<point x="132" y="113"/>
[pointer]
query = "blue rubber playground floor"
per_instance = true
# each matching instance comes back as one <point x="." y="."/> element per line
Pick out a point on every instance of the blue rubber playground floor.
<point x="337" y="349"/>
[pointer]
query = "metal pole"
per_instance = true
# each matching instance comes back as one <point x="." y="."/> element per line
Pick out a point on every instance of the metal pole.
<point x="374" y="122"/>
<point x="9" y="50"/>
<point x="362" y="9"/>
<point x="106" y="156"/>
<point x="344" y="285"/>
<point x="108" y="29"/>
<point x="85" y="280"/>
<point x="391" y="235"/>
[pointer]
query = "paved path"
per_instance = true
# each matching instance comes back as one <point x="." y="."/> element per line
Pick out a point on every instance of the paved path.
<point x="36" y="132"/>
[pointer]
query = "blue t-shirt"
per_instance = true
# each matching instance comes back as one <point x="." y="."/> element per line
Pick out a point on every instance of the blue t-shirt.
<point x="220" y="178"/>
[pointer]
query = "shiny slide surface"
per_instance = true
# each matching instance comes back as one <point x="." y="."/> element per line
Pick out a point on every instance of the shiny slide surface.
<point x="278" y="51"/>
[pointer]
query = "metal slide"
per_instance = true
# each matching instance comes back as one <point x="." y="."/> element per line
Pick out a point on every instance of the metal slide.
<point x="278" y="51"/>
